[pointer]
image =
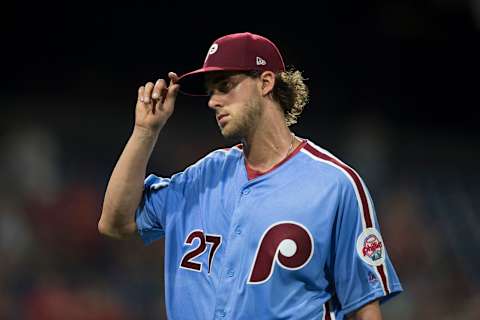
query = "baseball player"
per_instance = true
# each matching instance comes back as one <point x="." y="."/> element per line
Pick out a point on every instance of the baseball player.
<point x="274" y="227"/>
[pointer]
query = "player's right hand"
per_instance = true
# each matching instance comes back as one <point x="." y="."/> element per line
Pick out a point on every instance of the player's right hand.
<point x="155" y="104"/>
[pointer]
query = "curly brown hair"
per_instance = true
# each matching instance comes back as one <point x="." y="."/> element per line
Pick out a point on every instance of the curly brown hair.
<point x="291" y="92"/>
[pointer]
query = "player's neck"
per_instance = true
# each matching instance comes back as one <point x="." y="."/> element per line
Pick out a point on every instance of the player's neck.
<point x="269" y="144"/>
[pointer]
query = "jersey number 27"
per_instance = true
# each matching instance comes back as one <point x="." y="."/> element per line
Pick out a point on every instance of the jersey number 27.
<point x="188" y="261"/>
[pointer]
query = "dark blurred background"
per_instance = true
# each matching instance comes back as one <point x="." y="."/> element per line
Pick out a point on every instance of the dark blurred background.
<point x="394" y="93"/>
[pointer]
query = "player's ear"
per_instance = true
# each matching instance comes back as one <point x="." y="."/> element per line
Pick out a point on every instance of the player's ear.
<point x="267" y="79"/>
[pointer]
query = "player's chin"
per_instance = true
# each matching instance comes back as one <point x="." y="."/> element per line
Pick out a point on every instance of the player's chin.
<point x="229" y="133"/>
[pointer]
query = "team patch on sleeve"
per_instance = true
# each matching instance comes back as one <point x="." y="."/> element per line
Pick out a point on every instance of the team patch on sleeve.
<point x="370" y="247"/>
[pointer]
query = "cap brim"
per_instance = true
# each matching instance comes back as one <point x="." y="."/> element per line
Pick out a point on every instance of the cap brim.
<point x="193" y="83"/>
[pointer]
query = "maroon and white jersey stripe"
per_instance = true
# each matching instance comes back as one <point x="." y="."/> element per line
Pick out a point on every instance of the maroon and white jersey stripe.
<point x="364" y="200"/>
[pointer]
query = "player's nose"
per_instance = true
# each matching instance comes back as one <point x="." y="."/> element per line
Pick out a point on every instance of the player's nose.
<point x="215" y="101"/>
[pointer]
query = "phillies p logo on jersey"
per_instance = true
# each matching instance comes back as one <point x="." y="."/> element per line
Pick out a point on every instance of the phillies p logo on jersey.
<point x="286" y="243"/>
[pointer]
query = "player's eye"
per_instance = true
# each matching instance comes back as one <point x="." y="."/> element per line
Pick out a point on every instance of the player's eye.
<point x="224" y="86"/>
<point x="221" y="86"/>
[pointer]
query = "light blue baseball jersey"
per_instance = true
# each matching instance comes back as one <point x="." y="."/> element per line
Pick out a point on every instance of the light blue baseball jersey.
<point x="301" y="241"/>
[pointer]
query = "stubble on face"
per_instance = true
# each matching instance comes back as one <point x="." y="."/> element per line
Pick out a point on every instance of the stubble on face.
<point x="244" y="120"/>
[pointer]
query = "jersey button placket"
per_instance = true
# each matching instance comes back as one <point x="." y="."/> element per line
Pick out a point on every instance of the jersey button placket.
<point x="229" y="274"/>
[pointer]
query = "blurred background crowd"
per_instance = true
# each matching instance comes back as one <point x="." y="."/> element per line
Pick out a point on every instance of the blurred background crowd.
<point x="394" y="93"/>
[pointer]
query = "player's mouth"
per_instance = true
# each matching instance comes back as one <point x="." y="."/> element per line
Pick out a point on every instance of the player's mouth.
<point x="222" y="119"/>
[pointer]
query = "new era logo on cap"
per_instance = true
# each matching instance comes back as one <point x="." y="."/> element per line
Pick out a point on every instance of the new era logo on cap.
<point x="261" y="62"/>
<point x="234" y="52"/>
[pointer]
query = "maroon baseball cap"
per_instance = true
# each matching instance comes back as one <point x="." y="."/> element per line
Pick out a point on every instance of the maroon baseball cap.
<point x="233" y="52"/>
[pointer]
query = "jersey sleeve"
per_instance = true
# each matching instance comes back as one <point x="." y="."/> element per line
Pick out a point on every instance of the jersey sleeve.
<point x="164" y="198"/>
<point x="362" y="270"/>
<point x="149" y="215"/>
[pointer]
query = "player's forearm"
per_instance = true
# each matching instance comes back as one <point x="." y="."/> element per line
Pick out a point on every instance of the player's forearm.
<point x="125" y="188"/>
<point x="370" y="311"/>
